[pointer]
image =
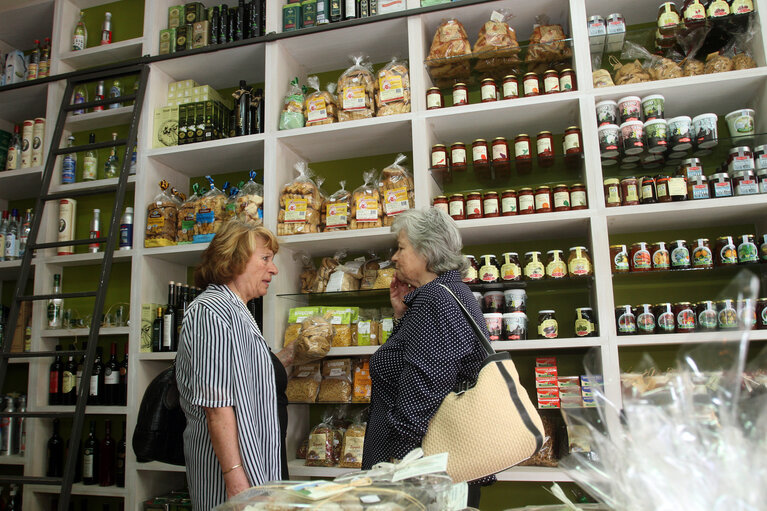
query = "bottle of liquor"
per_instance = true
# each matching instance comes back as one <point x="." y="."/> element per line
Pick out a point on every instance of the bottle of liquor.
<point x="124" y="379"/>
<point x="120" y="459"/>
<point x="111" y="394"/>
<point x="351" y="9"/>
<point x="45" y="59"/>
<point x="14" y="499"/>
<point x="22" y="426"/>
<point x="9" y="436"/>
<point x="80" y="365"/>
<point x="26" y="227"/>
<point x="56" y="380"/>
<point x="55" y="453"/>
<point x="97" y="379"/>
<point x="90" y="161"/>
<point x="223" y="26"/>
<point x="239" y="22"/>
<point x="112" y="164"/>
<point x="115" y="91"/>
<point x="126" y="229"/>
<point x="169" y="322"/>
<point x="157" y="344"/>
<point x="69" y="381"/>
<point x="132" y="168"/>
<point x="99" y="96"/>
<point x="337" y="10"/>
<point x="107" y="457"/>
<point x="95" y="231"/>
<point x="80" y="95"/>
<point x="69" y="164"/>
<point x="3" y="227"/>
<point x="33" y="70"/>
<point x="242" y="106"/>
<point x="91" y="457"/>
<point x="180" y="310"/>
<point x="80" y="35"/>
<point x="13" y="159"/>
<point x="12" y="237"/>
<point x="106" y="29"/>
<point x="55" y="305"/>
<point x="215" y="23"/>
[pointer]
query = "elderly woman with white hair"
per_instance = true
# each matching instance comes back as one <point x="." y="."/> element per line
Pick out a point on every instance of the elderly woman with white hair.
<point x="432" y="347"/>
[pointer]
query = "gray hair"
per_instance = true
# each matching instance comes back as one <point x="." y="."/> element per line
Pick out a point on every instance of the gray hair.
<point x="434" y="236"/>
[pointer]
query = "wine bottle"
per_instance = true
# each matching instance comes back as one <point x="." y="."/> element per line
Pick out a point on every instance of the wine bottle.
<point x="55" y="453"/>
<point x="91" y="457"/>
<point x="157" y="343"/>
<point x="120" y="459"/>
<point x="124" y="379"/>
<point x="69" y="381"/>
<point x="80" y="365"/>
<point x="180" y="309"/>
<point x="111" y="165"/>
<point x="91" y="161"/>
<point x="96" y="392"/>
<point x="107" y="457"/>
<point x="106" y="29"/>
<point x="111" y="394"/>
<point x="55" y="382"/>
<point x="13" y="158"/>
<point x="169" y="322"/>
<point x="99" y="96"/>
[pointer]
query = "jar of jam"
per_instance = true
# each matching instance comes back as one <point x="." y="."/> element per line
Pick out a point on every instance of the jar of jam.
<point x="668" y="19"/>
<point x="619" y="258"/>
<point x="550" y="82"/>
<point x="625" y="320"/>
<point x="661" y="188"/>
<point x="460" y="94"/>
<point x="727" y="315"/>
<point x="473" y="205"/>
<point x="545" y="146"/>
<point x="458" y="156"/>
<point x="647" y="190"/>
<point x="691" y="168"/>
<point x="492" y="302"/>
<point x="612" y="192"/>
<point x="571" y="143"/>
<point x="440" y="202"/>
<point x="434" y="99"/>
<point x="548" y="328"/>
<point x="579" y="262"/>
<point x="760" y="156"/>
<point x="578" y="196"/>
<point x="744" y="183"/>
<point x="510" y="87"/>
<point x="677" y="188"/>
<point x="515" y="326"/>
<point x="457" y="207"/>
<point x="748" y="252"/>
<point x="740" y="158"/>
<point x="747" y="314"/>
<point x="534" y="269"/>
<point x="697" y="188"/>
<point x="761" y="314"/>
<point x="718" y="9"/>
<point x="490" y="205"/>
<point x="726" y="251"/>
<point x="585" y="322"/>
<point x="702" y="257"/>
<point x="567" y="81"/>
<point x="763" y="249"/>
<point x="439" y="157"/>
<point x="479" y="152"/>
<point x="500" y="150"/>
<point x="640" y="258"/>
<point x="630" y="191"/>
<point x="488" y="90"/>
<point x="665" y="318"/>
<point x="510" y="269"/>
<point x="509" y="203"/>
<point x="556" y="268"/>
<point x="661" y="259"/>
<point x="680" y="255"/>
<point x="761" y="179"/>
<point x="526" y="201"/>
<point x="530" y="85"/>
<point x="489" y="271"/>
<point x="707" y="315"/>
<point x="685" y="317"/>
<point x="561" y="198"/>
<point x="720" y="184"/>
<point x="472" y="273"/>
<point x="645" y="318"/>
<point x="739" y="7"/>
<point x="543" y="199"/>
<point x="516" y="300"/>
<point x="693" y="14"/>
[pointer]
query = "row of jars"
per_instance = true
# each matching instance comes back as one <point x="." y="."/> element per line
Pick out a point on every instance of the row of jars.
<point x="532" y="85"/>
<point x="687" y="317"/>
<point x="554" y="266"/>
<point x="526" y="201"/>
<point x="513" y="326"/>
<point x="678" y="255"/>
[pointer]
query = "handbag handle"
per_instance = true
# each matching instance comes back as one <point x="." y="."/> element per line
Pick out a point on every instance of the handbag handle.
<point x="478" y="331"/>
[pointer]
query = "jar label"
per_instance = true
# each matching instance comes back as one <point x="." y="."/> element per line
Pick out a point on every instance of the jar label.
<point x="666" y="321"/>
<point x="579" y="266"/>
<point x="489" y="273"/>
<point x="474" y="207"/>
<point x="723" y="189"/>
<point x="677" y="186"/>
<point x="510" y="271"/>
<point x="439" y="206"/>
<point x="460" y="97"/>
<point x="700" y="192"/>
<point x="764" y="317"/>
<point x="746" y="187"/>
<point x="544" y="146"/>
<point x="702" y="257"/>
<point x="763" y="186"/>
<point x="367" y="209"/>
<point x="500" y="152"/>
<point x="707" y="320"/>
<point x="621" y="261"/>
<point x="438" y="158"/>
<point x="718" y="9"/>
<point x="354" y="98"/>
<point x="761" y="161"/>
<point x="509" y="204"/>
<point x="488" y="92"/>
<point x="632" y="194"/>
<point x="583" y="327"/>
<point x="578" y="198"/>
<point x="565" y="83"/>
<point x="471" y="275"/>
<point x="693" y="172"/>
<point x="551" y="84"/>
<point x="479" y="153"/>
<point x="685" y="320"/>
<point x="510" y="90"/>
<point x="748" y="253"/>
<point x="459" y="156"/>
<point x="491" y="206"/>
<point x="680" y="257"/>
<point x="662" y="189"/>
<point x="661" y="259"/>
<point x="613" y="196"/>
<point x="534" y="270"/>
<point x="763" y="251"/>
<point x="433" y="100"/>
<point x="642" y="260"/>
<point x="556" y="269"/>
<point x="515" y="327"/>
<point x="742" y="163"/>
<point x="647" y="191"/>
<point x="396" y="201"/>
<point x="728" y="255"/>
<point x="522" y="148"/>
<point x="742" y="6"/>
<point x="531" y="86"/>
<point x="728" y="318"/>
<point x="336" y="214"/>
<point x="695" y="12"/>
<point x="561" y="199"/>
<point x="542" y="201"/>
<point x="548" y="329"/>
<point x="456" y="208"/>
<point x="646" y="323"/>
<point x="627" y="323"/>
<point x="668" y="19"/>
<point x="295" y="211"/>
<point x="606" y="114"/>
<point x="571" y="141"/>
<point x="526" y="203"/>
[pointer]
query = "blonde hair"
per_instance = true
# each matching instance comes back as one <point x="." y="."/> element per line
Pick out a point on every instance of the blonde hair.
<point x="229" y="252"/>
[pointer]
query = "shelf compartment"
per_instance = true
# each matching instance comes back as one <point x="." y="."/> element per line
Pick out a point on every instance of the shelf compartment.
<point x="24" y="103"/>
<point x="89" y="410"/>
<point x="88" y="259"/>
<point x="188" y="255"/>
<point x="20" y="183"/>
<point x="168" y="356"/>
<point x="81" y="489"/>
<point x="547" y="344"/>
<point x="102" y="55"/>
<point x="353" y="351"/>
<point x="327" y="243"/>
<point x="14" y="459"/>
<point x="199" y="159"/>
<point x="9" y="270"/>
<point x="216" y="68"/>
<point x="95" y="120"/>
<point x="158" y="466"/>
<point x="694" y="338"/>
<point x="23" y="22"/>
<point x="690" y="276"/>
<point x="83" y="332"/>
<point x="93" y="185"/>
<point x="525" y="227"/>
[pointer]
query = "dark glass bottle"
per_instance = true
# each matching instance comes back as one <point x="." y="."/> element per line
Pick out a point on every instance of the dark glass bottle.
<point x="239" y="22"/>
<point x="107" y="457"/>
<point x="255" y="14"/>
<point x="80" y="365"/>
<point x="256" y="111"/>
<point x="120" y="459"/>
<point x="124" y="379"/>
<point x="223" y="25"/>
<point x="231" y="29"/>
<point x="157" y="331"/>
<point x="111" y="394"/>
<point x="169" y="322"/>
<point x="96" y="392"/>
<point x="69" y="381"/>
<point x="242" y="107"/>
<point x="336" y="10"/>
<point x="91" y="457"/>
<point x="180" y="308"/>
<point x="215" y="23"/>
<point x="55" y="379"/>
<point x="55" y="452"/>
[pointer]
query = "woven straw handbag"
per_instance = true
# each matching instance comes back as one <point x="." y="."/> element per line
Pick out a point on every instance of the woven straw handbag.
<point x="486" y="427"/>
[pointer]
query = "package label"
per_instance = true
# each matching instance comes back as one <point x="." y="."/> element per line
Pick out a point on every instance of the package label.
<point x="354" y="98"/>
<point x="295" y="210"/>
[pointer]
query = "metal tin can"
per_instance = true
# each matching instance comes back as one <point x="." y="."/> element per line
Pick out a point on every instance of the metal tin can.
<point x="67" y="215"/>
<point x="38" y="138"/>
<point x="27" y="134"/>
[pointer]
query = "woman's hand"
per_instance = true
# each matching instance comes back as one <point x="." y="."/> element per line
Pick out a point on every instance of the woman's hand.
<point x="287" y="355"/>
<point x="397" y="292"/>
<point x="236" y="482"/>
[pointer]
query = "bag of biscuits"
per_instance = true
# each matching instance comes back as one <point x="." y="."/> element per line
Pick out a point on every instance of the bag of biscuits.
<point x="357" y="89"/>
<point x="292" y="115"/>
<point x="161" y="218"/>
<point x="300" y="204"/>
<point x="320" y="106"/>
<point x="338" y="209"/>
<point x="342" y="319"/>
<point x="397" y="192"/>
<point x="548" y="44"/>
<point x="314" y="339"/>
<point x="366" y="203"/>
<point x="186" y="217"/>
<point x="308" y="275"/>
<point x="393" y="89"/>
<point x="250" y="200"/>
<point x="448" y="59"/>
<point x="230" y="208"/>
<point x="210" y="213"/>
<point x="296" y="316"/>
<point x="497" y="48"/>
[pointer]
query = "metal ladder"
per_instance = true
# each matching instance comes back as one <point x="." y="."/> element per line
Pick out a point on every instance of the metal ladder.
<point x="110" y="241"/>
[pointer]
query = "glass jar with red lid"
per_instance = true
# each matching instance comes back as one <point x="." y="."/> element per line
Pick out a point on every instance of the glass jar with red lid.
<point x="509" y="203"/>
<point x="661" y="258"/>
<point x="550" y="82"/>
<point x="440" y="202"/>
<point x="458" y="156"/>
<point x="526" y="200"/>
<point x="473" y="205"/>
<point x="479" y="152"/>
<point x="578" y="198"/>
<point x="543" y="199"/>
<point x="490" y="205"/>
<point x="685" y="316"/>
<point x="545" y="146"/>
<point x="457" y="207"/>
<point x="472" y="273"/>
<point x="561" y="198"/>
<point x="640" y="258"/>
<point x="612" y="192"/>
<point x="510" y="87"/>
<point x="460" y="94"/>
<point x="500" y="151"/>
<point x="488" y="90"/>
<point x="434" y="99"/>
<point x="531" y="85"/>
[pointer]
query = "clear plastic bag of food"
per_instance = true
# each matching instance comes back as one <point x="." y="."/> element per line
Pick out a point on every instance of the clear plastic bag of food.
<point x="387" y="324"/>
<point x="357" y="89"/>
<point x="320" y="106"/>
<point x="370" y="271"/>
<point x="397" y="189"/>
<point x="546" y="455"/>
<point x="338" y="209"/>
<point x="548" y="43"/>
<point x="327" y="266"/>
<point x="161" y="219"/>
<point x="210" y="213"/>
<point x="342" y="319"/>
<point x="300" y="204"/>
<point x="308" y="275"/>
<point x="393" y="95"/>
<point x="353" y="444"/>
<point x="336" y="385"/>
<point x="739" y="48"/>
<point x="314" y="339"/>
<point x="658" y="68"/>
<point x="292" y="115"/>
<point x="368" y="328"/>
<point x="366" y="203"/>
<point x="230" y="207"/>
<point x="448" y="59"/>
<point x="497" y="49"/>
<point x="250" y="200"/>
<point x="345" y="277"/>
<point x="296" y="316"/>
<point x="186" y="217"/>
<point x="324" y="447"/>
<point x="633" y="72"/>
<point x="304" y="384"/>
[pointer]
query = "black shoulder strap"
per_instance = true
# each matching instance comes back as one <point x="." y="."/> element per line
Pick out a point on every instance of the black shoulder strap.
<point x="478" y="331"/>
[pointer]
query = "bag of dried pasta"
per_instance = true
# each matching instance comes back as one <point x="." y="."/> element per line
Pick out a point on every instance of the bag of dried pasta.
<point x="314" y="339"/>
<point x="320" y="106"/>
<point x="357" y="88"/>
<point x="393" y="89"/>
<point x="397" y="192"/>
<point x="336" y="385"/>
<point x="338" y="209"/>
<point x="292" y="115"/>
<point x="210" y="213"/>
<point x="250" y="200"/>
<point x="366" y="203"/>
<point x="161" y="219"/>
<point x="186" y="217"/>
<point x="300" y="204"/>
<point x="304" y="384"/>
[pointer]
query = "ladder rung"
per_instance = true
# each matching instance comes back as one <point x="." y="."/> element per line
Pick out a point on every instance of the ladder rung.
<point x="29" y="354"/>
<point x="39" y="415"/>
<point x="63" y="296"/>
<point x="80" y="193"/>
<point x="89" y="147"/>
<point x="101" y="102"/>
<point x="11" y="479"/>
<point x="54" y="244"/>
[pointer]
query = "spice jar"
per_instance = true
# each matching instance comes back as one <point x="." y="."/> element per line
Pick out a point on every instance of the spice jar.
<point x="479" y="152"/>
<point x="578" y="196"/>
<point x="473" y="205"/>
<point x="460" y="94"/>
<point x="697" y="188"/>
<point x="534" y="269"/>
<point x="567" y="81"/>
<point x="530" y="85"/>
<point x="556" y="268"/>
<point x="685" y="317"/>
<point x="619" y="258"/>
<point x="550" y="82"/>
<point x="585" y="322"/>
<point x="434" y="99"/>
<point x="488" y="90"/>
<point x="761" y="314"/>
<point x="640" y="258"/>
<point x="748" y="252"/>
<point x="727" y="315"/>
<point x="680" y="255"/>
<point x="472" y="273"/>
<point x="548" y="328"/>
<point x="526" y="201"/>
<point x="645" y="319"/>
<point x="625" y="320"/>
<point x="707" y="315"/>
<point x="490" y="204"/>
<point x="545" y="146"/>
<point x="702" y="257"/>
<point x="721" y="186"/>
<point x="509" y="203"/>
<point x="510" y="269"/>
<point x="579" y="262"/>
<point x="457" y="207"/>
<point x="726" y="251"/>
<point x="510" y="87"/>
<point x="440" y="202"/>
<point x="647" y="190"/>
<point x="458" y="156"/>
<point x="500" y="150"/>
<point x="744" y="183"/>
<point x="612" y="192"/>
<point x="630" y="191"/>
<point x="439" y="157"/>
<point x="561" y="198"/>
<point x="661" y="259"/>
<point x="661" y="188"/>
<point x="489" y="271"/>
<point x="543" y="199"/>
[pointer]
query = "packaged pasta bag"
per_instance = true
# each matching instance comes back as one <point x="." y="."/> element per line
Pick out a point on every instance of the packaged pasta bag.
<point x="314" y="339"/>
<point x="397" y="189"/>
<point x="342" y="319"/>
<point x="210" y="213"/>
<point x="366" y="203"/>
<point x="161" y="219"/>
<point x="300" y="204"/>
<point x="361" y="381"/>
<point x="497" y="49"/>
<point x="357" y="88"/>
<point x="186" y="218"/>
<point x="367" y="328"/>
<point x="304" y="384"/>
<point x="250" y="200"/>
<point x="336" y="385"/>
<point x="324" y="444"/>
<point x="346" y="276"/>
<point x="296" y="316"/>
<point x="393" y="89"/>
<point x="320" y="106"/>
<point x="353" y="444"/>
<point x="370" y="271"/>
<point x="386" y="272"/>
<point x="338" y="209"/>
<point x="292" y="115"/>
<point x="448" y="59"/>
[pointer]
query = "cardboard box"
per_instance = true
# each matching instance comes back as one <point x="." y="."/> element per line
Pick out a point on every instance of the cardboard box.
<point x="167" y="41"/>
<point x="387" y="6"/>
<point x="165" y="126"/>
<point x="546" y="362"/>
<point x="200" y="34"/>
<point x="546" y="372"/>
<point x="548" y="393"/>
<point x="546" y="382"/>
<point x="148" y="315"/>
<point x="175" y="15"/>
<point x="569" y="381"/>
<point x="548" y="403"/>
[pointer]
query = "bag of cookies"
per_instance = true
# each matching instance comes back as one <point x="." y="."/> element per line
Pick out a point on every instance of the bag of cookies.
<point x="393" y="89"/>
<point x="320" y="106"/>
<point x="369" y="271"/>
<point x="314" y="339"/>
<point x="292" y="115"/>
<point x="308" y="275"/>
<point x="548" y="44"/>
<point x="353" y="444"/>
<point x="296" y="316"/>
<point x="209" y="214"/>
<point x="186" y="217"/>
<point x="346" y="277"/>
<point x="336" y="385"/>
<point x="497" y="49"/>
<point x="397" y="190"/>
<point x="327" y="267"/>
<point x="161" y="219"/>
<point x="250" y="200"/>
<point x="300" y="204"/>
<point x="357" y="89"/>
<point x="324" y="444"/>
<point x="448" y="59"/>
<point x="230" y="208"/>
<point x="304" y="384"/>
<point x="366" y="203"/>
<point x="361" y="381"/>
<point x="338" y="209"/>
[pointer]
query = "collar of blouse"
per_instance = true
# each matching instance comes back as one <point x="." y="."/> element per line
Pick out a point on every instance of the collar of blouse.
<point x="444" y="278"/>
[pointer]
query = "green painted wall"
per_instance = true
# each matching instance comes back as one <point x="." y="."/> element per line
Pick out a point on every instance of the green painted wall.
<point x="127" y="20"/>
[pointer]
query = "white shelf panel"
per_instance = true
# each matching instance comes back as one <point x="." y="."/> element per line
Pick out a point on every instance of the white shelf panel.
<point x="327" y="243"/>
<point x="83" y="332"/>
<point x="26" y="360"/>
<point x="89" y="410"/>
<point x="81" y="489"/>
<point x="95" y="120"/>
<point x="188" y="255"/>
<point x="221" y="69"/>
<point x="235" y="153"/>
<point x="20" y="183"/>
<point x="157" y="466"/>
<point x="13" y="459"/>
<point x="92" y="185"/>
<point x="23" y="22"/>
<point x="364" y="137"/>
<point x="162" y="356"/>
<point x="352" y="351"/>
<point x="547" y="344"/>
<point x="19" y="105"/>
<point x="101" y="55"/>
<point x="88" y="259"/>
<point x="9" y="270"/>
<point x="694" y="338"/>
<point x="525" y="227"/>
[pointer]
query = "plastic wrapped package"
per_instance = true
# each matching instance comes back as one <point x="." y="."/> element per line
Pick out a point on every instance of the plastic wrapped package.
<point x="209" y="214"/>
<point x="292" y="115"/>
<point x="718" y="63"/>
<point x="327" y="267"/>
<point x="230" y="208"/>
<point x="250" y="200"/>
<point x="397" y="189"/>
<point x="693" y="67"/>
<point x="343" y="320"/>
<point x="370" y="271"/>
<point x="346" y="277"/>
<point x="393" y="96"/>
<point x="324" y="447"/>
<point x="338" y="209"/>
<point x="296" y="316"/>
<point x="357" y="90"/>
<point x="161" y="219"/>
<point x="308" y="275"/>
<point x="361" y="381"/>
<point x="497" y="49"/>
<point x="601" y="78"/>
<point x="186" y="217"/>
<point x="300" y="204"/>
<point x="367" y="328"/>
<point x="353" y="444"/>
<point x="387" y="324"/>
<point x="546" y="455"/>
<point x="548" y="44"/>
<point x="304" y="385"/>
<point x="320" y="106"/>
<point x="314" y="339"/>
<point x="633" y="72"/>
<point x="336" y="385"/>
<point x="366" y="203"/>
<point x="448" y="59"/>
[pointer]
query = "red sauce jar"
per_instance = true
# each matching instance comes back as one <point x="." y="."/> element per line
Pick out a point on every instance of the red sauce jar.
<point x="490" y="204"/>
<point x="440" y="202"/>
<point x="488" y="90"/>
<point x="457" y="207"/>
<point x="543" y="199"/>
<point x="550" y="82"/>
<point x="473" y="205"/>
<point x="500" y="150"/>
<point x="458" y="156"/>
<point x="526" y="200"/>
<point x="531" y="85"/>
<point x="545" y="146"/>
<point x="578" y="197"/>
<point x="571" y="143"/>
<point x="434" y="99"/>
<point x="510" y="87"/>
<point x="561" y="198"/>
<point x="479" y="152"/>
<point x="630" y="191"/>
<point x="439" y="157"/>
<point x="460" y="94"/>
<point x="509" y="203"/>
<point x="523" y="151"/>
<point x="640" y="258"/>
<point x="612" y="192"/>
<point x="567" y="81"/>
<point x="685" y="316"/>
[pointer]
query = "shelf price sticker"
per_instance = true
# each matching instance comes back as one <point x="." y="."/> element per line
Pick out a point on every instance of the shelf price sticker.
<point x="295" y="210"/>
<point x="396" y="201"/>
<point x="367" y="209"/>
<point x="391" y="89"/>
<point x="317" y="110"/>
<point x="336" y="214"/>
<point x="354" y="98"/>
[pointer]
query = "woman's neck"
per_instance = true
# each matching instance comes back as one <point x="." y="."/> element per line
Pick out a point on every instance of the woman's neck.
<point x="233" y="287"/>
<point x="426" y="278"/>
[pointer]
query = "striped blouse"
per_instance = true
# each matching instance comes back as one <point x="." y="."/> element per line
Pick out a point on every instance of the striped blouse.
<point x="223" y="361"/>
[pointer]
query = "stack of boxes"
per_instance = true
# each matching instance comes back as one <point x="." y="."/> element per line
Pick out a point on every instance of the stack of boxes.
<point x="298" y="14"/>
<point x="546" y="384"/>
<point x="555" y="391"/>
